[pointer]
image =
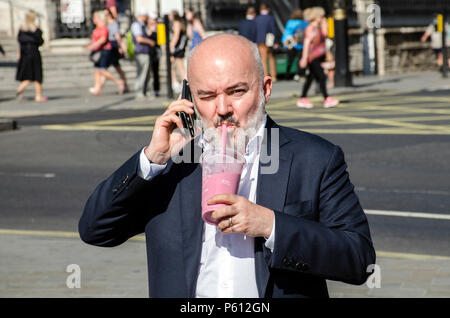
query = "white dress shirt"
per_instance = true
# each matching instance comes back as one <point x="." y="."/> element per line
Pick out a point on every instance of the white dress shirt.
<point x="227" y="264"/>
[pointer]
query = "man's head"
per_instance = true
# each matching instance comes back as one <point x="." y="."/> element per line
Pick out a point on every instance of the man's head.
<point x="251" y="12"/>
<point x="264" y="7"/>
<point x="228" y="84"/>
<point x="142" y="15"/>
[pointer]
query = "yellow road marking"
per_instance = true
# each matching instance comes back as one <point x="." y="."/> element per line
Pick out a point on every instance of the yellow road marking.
<point x="127" y="120"/>
<point x="385" y="122"/>
<point x="56" y="234"/>
<point x="338" y="123"/>
<point x="377" y="131"/>
<point x="358" y="108"/>
<point x="141" y="238"/>
<point x="384" y="254"/>
<point x="93" y="127"/>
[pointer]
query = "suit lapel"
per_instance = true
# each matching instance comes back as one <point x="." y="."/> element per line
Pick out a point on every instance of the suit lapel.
<point x="192" y="223"/>
<point x="271" y="193"/>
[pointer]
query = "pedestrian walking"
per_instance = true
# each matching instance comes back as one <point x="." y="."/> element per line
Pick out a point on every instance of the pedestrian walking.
<point x="314" y="51"/>
<point x="101" y="50"/>
<point x="266" y="40"/>
<point x="194" y="29"/>
<point x="2" y="51"/>
<point x="155" y="52"/>
<point x="111" y="5"/>
<point x="142" y="45"/>
<point x="29" y="67"/>
<point x="436" y="42"/>
<point x="329" y="65"/>
<point x="293" y="37"/>
<point x="177" y="49"/>
<point x="117" y="50"/>
<point x="247" y="27"/>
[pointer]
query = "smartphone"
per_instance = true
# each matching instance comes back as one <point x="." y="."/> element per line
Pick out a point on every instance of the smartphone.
<point x="187" y="119"/>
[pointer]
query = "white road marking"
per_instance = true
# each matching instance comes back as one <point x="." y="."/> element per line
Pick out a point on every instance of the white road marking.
<point x="28" y="174"/>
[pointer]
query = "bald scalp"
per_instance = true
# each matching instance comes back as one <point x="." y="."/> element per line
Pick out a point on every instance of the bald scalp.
<point x="225" y="44"/>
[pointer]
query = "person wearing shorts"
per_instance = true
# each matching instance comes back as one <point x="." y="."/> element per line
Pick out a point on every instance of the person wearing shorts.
<point x="101" y="43"/>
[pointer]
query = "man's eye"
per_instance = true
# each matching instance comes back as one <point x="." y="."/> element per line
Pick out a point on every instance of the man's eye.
<point x="207" y="97"/>
<point x="238" y="92"/>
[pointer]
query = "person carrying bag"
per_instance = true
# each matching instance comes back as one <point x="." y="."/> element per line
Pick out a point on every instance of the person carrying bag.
<point x="314" y="51"/>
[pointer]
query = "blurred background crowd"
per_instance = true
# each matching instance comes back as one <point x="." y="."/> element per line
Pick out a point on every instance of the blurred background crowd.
<point x="125" y="41"/>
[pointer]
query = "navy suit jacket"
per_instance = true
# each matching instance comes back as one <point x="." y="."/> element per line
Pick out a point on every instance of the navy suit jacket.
<point x="247" y="28"/>
<point x="321" y="231"/>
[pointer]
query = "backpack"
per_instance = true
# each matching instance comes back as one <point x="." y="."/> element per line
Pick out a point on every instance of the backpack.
<point x="130" y="45"/>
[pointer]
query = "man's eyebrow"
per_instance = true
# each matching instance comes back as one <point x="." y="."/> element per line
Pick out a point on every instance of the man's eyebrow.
<point x="237" y="85"/>
<point x="229" y="88"/>
<point x="202" y="92"/>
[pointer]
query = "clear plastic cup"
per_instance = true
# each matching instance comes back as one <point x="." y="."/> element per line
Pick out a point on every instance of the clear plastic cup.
<point x="221" y="173"/>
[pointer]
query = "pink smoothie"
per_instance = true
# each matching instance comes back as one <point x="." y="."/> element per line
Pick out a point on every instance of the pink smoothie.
<point x="215" y="184"/>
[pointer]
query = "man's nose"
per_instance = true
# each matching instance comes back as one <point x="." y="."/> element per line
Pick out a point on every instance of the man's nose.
<point x="223" y="105"/>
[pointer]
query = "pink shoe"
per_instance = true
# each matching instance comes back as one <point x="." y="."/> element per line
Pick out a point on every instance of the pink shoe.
<point x="304" y="103"/>
<point x="330" y="102"/>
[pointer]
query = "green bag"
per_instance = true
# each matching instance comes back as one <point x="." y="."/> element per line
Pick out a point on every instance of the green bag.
<point x="130" y="45"/>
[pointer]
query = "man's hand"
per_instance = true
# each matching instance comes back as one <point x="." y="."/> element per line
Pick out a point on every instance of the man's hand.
<point x="166" y="139"/>
<point x="246" y="217"/>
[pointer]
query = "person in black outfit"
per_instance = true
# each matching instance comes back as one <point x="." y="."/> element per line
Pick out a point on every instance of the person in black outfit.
<point x="155" y="53"/>
<point x="2" y="51"/>
<point x="29" y="68"/>
<point x="177" y="49"/>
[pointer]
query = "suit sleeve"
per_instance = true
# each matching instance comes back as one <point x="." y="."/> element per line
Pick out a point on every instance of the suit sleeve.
<point x="338" y="246"/>
<point x="113" y="212"/>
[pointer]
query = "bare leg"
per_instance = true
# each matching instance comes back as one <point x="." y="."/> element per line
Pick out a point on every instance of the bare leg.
<point x="109" y="76"/>
<point x="262" y="48"/>
<point x="22" y="86"/>
<point x="181" y="68"/>
<point x="440" y="60"/>
<point x="121" y="75"/>
<point x="273" y="65"/>
<point x="97" y="82"/>
<point x="38" y="89"/>
<point x="330" y="74"/>
<point x="102" y="81"/>
<point x="175" y="83"/>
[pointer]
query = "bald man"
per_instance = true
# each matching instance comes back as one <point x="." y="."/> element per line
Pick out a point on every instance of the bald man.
<point x="294" y="222"/>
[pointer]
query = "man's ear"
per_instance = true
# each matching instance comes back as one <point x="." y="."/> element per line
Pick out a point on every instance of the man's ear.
<point x="267" y="86"/>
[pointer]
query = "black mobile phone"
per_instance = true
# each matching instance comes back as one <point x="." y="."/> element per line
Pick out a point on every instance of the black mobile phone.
<point x="187" y="119"/>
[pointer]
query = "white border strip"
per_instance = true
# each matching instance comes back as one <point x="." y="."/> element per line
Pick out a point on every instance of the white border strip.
<point x="409" y="214"/>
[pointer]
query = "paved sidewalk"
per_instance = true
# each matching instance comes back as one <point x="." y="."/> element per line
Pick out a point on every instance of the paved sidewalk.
<point x="75" y="100"/>
<point x="35" y="266"/>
